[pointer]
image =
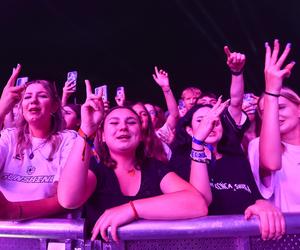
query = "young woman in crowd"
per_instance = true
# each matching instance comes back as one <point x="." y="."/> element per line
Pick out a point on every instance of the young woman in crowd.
<point x="154" y="147"/>
<point x="229" y="183"/>
<point x="275" y="156"/>
<point x="71" y="114"/>
<point x="32" y="153"/>
<point x="126" y="184"/>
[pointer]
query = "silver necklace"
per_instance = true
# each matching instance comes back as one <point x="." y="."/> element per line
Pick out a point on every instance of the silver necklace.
<point x="31" y="155"/>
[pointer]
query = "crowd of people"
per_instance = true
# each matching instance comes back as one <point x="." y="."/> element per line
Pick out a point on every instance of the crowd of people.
<point x="206" y="156"/>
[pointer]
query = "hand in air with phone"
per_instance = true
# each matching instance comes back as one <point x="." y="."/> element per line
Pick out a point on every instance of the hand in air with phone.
<point x="120" y="96"/>
<point x="69" y="87"/>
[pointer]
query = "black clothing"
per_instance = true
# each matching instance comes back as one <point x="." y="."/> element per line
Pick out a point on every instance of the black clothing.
<point x="108" y="193"/>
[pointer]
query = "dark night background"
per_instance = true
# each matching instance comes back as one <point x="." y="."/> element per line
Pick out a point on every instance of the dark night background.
<point x="120" y="42"/>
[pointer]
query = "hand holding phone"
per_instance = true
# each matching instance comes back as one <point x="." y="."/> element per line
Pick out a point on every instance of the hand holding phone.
<point x="120" y="96"/>
<point x="72" y="78"/>
<point x="104" y="92"/>
<point x="22" y="80"/>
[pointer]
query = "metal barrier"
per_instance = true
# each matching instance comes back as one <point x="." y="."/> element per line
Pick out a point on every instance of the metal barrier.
<point x="42" y="234"/>
<point x="212" y="232"/>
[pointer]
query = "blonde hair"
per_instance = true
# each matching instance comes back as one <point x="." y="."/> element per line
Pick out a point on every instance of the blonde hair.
<point x="285" y="92"/>
<point x="194" y="90"/>
<point x="57" y="123"/>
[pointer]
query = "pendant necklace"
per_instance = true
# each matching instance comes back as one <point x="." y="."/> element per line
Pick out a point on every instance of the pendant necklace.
<point x="31" y="155"/>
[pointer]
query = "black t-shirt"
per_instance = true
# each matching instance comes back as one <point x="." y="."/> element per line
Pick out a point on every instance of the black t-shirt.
<point x="108" y="193"/>
<point x="232" y="182"/>
<point x="231" y="140"/>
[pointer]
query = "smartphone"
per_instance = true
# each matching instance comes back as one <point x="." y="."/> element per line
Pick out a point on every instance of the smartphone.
<point x="120" y="91"/>
<point x="22" y="80"/>
<point x="104" y="92"/>
<point x="181" y="104"/>
<point x="248" y="101"/>
<point x="72" y="77"/>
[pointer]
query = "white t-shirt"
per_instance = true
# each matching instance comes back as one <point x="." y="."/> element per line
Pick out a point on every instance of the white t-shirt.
<point x="165" y="130"/>
<point x="31" y="179"/>
<point x="282" y="186"/>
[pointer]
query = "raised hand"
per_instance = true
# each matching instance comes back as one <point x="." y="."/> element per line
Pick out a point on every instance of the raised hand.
<point x="161" y="78"/>
<point x="11" y="94"/>
<point x="274" y="75"/>
<point x="272" y="223"/>
<point x="68" y="89"/>
<point x="208" y="122"/>
<point x="112" y="217"/>
<point x="92" y="111"/>
<point x="235" y="61"/>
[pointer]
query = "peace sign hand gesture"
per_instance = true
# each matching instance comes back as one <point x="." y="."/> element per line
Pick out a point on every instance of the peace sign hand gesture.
<point x="92" y="111"/>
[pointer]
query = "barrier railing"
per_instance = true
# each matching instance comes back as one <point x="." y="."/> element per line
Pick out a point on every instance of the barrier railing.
<point x="212" y="232"/>
<point x="42" y="233"/>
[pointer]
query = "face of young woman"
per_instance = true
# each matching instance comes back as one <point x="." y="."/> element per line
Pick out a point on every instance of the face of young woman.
<point x="288" y="115"/>
<point x="122" y="131"/>
<point x="142" y="112"/>
<point x="152" y="112"/>
<point x="216" y="134"/>
<point x="37" y="105"/>
<point x="70" y="118"/>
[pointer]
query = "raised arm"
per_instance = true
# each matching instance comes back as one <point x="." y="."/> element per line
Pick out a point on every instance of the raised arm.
<point x="236" y="62"/>
<point x="199" y="174"/>
<point x="68" y="90"/>
<point x="162" y="79"/>
<point x="11" y="94"/>
<point x="77" y="182"/>
<point x="270" y="142"/>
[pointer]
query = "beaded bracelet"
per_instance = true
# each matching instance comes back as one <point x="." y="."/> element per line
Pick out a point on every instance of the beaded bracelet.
<point x="200" y="160"/>
<point x="197" y="154"/>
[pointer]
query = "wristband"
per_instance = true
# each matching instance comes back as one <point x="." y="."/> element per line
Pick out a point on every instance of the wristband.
<point x="237" y="73"/>
<point x="197" y="154"/>
<point x="200" y="160"/>
<point x="90" y="141"/>
<point x="271" y="94"/>
<point x="199" y="142"/>
<point x="136" y="215"/>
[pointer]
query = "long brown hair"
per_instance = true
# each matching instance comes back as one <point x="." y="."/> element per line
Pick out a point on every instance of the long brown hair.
<point x="153" y="145"/>
<point x="57" y="123"/>
<point x="105" y="156"/>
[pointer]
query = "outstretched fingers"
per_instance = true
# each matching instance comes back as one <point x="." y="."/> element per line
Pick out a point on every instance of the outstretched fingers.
<point x="275" y="52"/>
<point x="284" y="55"/>
<point x="268" y="55"/>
